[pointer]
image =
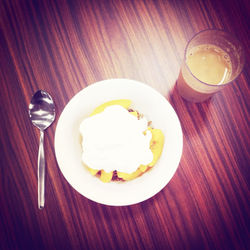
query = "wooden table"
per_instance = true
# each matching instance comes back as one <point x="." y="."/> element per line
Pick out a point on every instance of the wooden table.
<point x="62" y="46"/>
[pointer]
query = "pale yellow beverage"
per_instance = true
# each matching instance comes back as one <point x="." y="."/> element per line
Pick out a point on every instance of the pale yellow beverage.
<point x="213" y="58"/>
<point x="210" y="64"/>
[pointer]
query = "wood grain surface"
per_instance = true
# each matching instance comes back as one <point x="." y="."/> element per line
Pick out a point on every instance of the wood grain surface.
<point x="62" y="46"/>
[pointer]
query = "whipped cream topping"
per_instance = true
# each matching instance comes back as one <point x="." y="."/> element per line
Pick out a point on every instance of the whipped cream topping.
<point x="115" y="140"/>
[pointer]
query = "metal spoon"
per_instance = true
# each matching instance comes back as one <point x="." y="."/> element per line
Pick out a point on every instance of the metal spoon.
<point x="42" y="114"/>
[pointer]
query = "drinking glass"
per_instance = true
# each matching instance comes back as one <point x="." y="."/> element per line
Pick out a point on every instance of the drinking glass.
<point x="213" y="59"/>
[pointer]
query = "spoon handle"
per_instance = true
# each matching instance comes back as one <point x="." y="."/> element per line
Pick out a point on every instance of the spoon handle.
<point x="41" y="172"/>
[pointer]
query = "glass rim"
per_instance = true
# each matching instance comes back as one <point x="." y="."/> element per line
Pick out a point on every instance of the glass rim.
<point x="225" y="32"/>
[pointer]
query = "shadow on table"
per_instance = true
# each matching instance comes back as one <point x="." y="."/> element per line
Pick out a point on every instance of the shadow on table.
<point x="192" y="116"/>
<point x="116" y="214"/>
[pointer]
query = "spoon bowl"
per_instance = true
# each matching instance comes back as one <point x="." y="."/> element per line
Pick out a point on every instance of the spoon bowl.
<point x="42" y="115"/>
<point x="42" y="110"/>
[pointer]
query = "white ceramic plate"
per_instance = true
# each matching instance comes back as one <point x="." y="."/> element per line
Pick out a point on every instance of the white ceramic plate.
<point x="148" y="102"/>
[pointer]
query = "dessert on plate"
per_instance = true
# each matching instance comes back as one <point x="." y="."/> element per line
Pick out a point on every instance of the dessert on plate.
<point x="118" y="143"/>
